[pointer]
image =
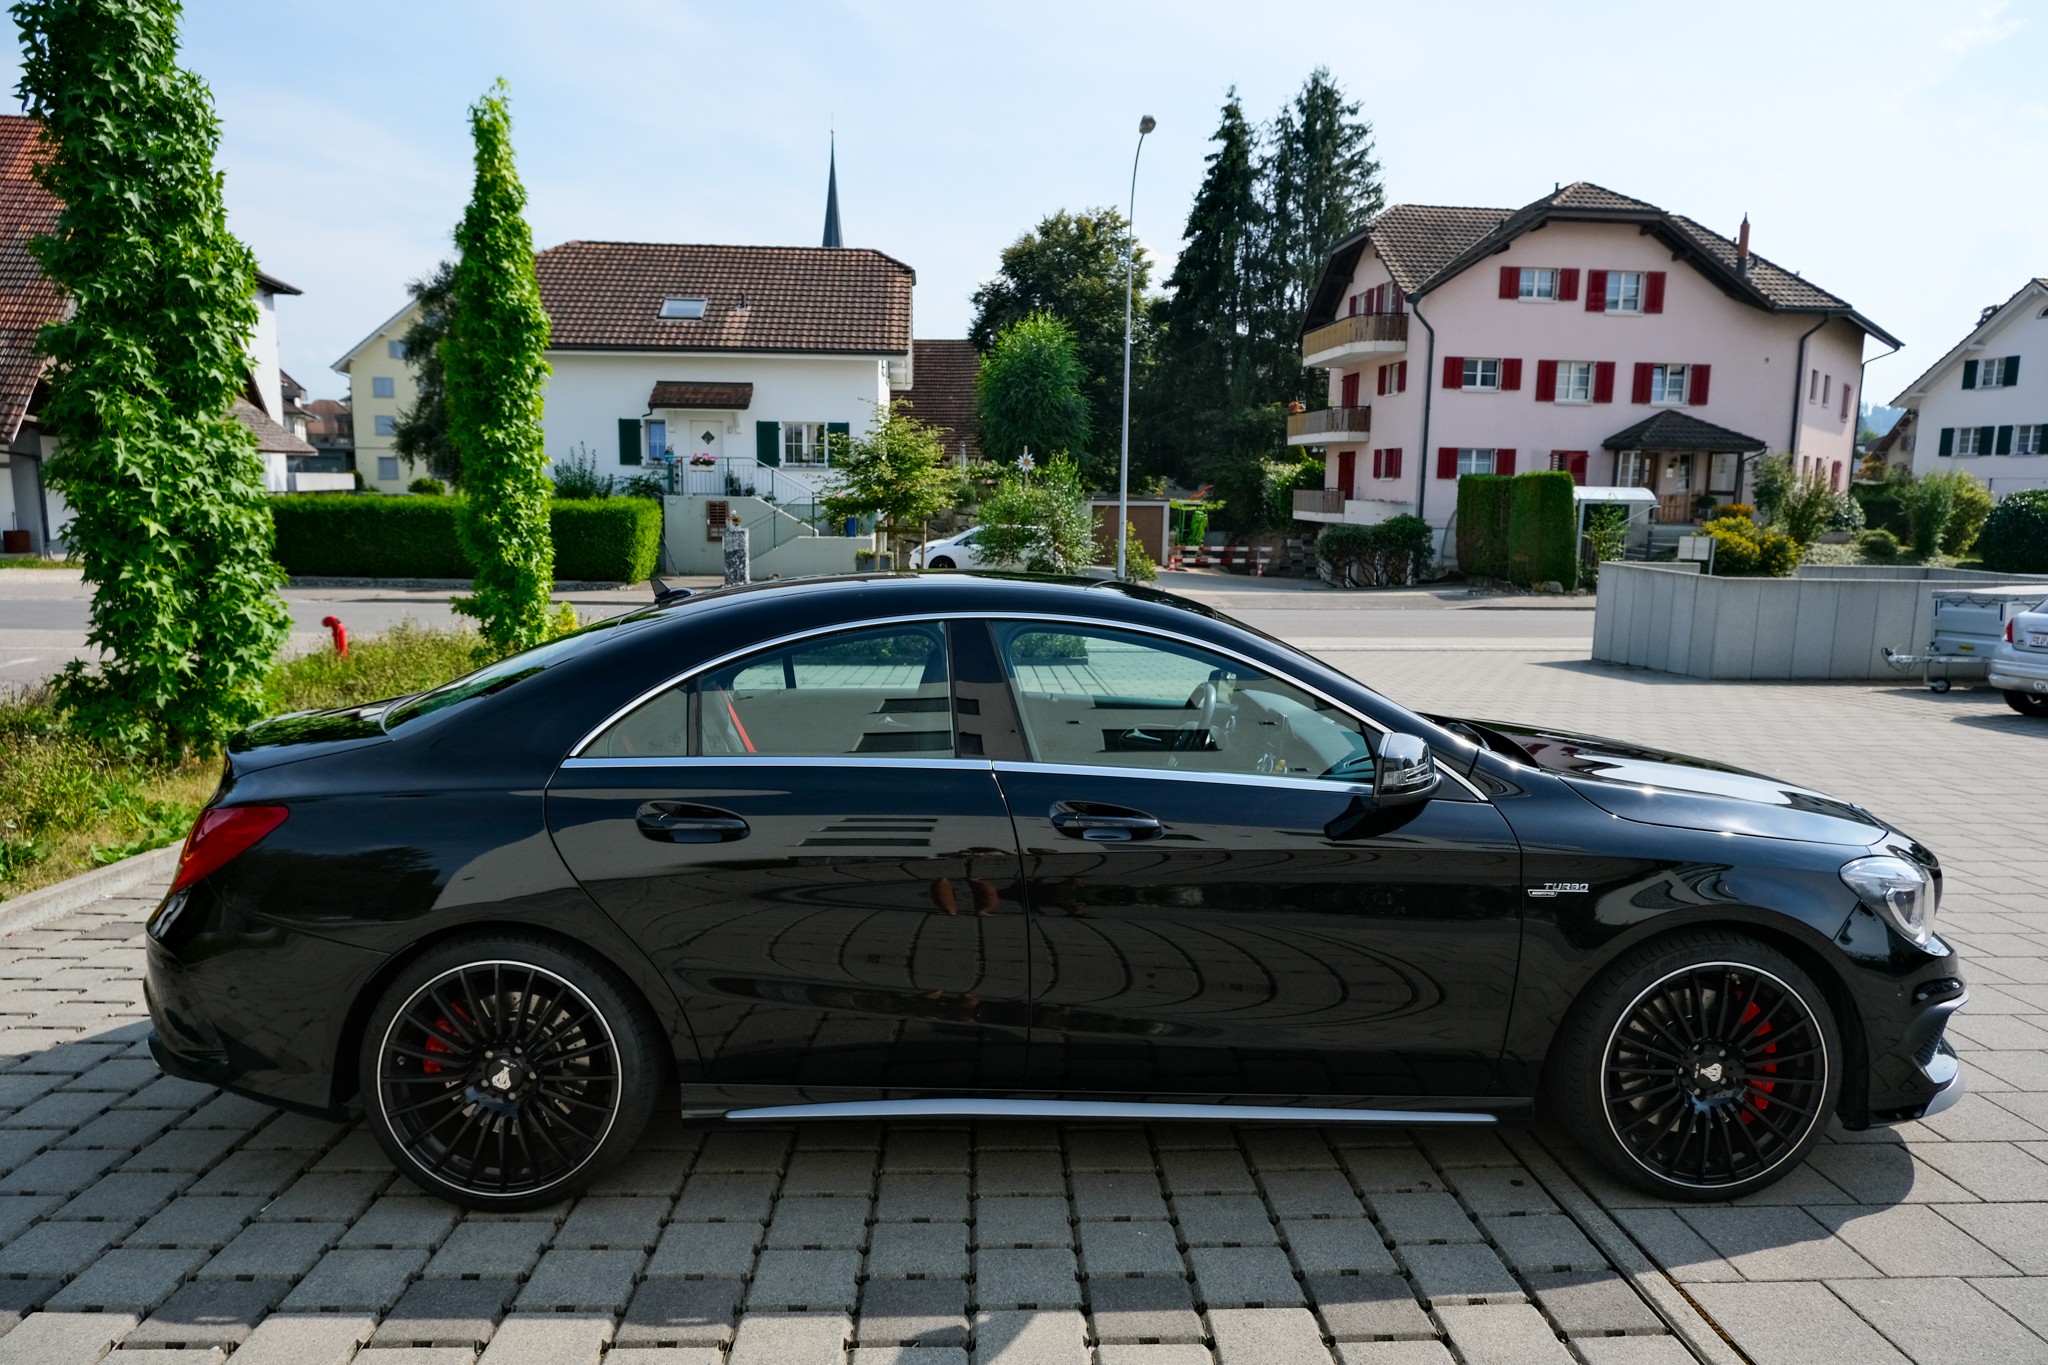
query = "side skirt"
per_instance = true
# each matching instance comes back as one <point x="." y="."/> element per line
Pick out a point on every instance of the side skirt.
<point x="968" y="1107"/>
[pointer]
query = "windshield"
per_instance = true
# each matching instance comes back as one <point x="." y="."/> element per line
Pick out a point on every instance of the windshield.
<point x="508" y="672"/>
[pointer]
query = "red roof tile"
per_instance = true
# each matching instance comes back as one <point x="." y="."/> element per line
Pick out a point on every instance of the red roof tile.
<point x="675" y="393"/>
<point x="27" y="300"/>
<point x="942" y="375"/>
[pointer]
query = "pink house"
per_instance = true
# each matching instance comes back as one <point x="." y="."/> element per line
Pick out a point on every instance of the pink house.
<point x="1588" y="332"/>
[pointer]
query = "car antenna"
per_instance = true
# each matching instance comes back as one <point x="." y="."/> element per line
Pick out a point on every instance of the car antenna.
<point x="664" y="595"/>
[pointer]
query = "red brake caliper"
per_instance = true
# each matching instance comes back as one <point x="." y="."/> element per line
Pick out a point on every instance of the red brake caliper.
<point x="1760" y="1088"/>
<point x="434" y="1043"/>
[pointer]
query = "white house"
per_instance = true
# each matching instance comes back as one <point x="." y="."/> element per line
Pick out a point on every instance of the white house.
<point x="1587" y="332"/>
<point x="1983" y="407"/>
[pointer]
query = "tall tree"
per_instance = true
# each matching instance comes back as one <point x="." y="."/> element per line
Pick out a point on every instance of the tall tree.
<point x="169" y="512"/>
<point x="1320" y="181"/>
<point x="496" y="374"/>
<point x="422" y="433"/>
<point x="897" y="472"/>
<point x="1030" y="391"/>
<point x="1072" y="267"/>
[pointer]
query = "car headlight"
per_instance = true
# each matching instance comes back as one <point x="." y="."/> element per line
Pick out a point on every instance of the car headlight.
<point x="1899" y="889"/>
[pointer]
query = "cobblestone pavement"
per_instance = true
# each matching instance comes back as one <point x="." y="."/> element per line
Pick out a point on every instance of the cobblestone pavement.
<point x="139" y="1213"/>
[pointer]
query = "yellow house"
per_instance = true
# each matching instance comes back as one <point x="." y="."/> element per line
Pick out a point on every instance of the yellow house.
<point x="381" y="383"/>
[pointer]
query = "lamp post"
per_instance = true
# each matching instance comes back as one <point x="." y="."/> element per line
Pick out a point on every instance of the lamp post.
<point x="1123" y="486"/>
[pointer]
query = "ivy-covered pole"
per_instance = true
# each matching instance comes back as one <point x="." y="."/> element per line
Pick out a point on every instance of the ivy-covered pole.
<point x="166" y="489"/>
<point x="495" y="376"/>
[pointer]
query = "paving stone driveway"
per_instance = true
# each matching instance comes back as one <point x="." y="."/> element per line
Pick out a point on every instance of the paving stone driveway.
<point x="142" y="1213"/>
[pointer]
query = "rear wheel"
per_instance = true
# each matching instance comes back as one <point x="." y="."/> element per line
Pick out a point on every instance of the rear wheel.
<point x="942" y="562"/>
<point x="1702" y="1066"/>
<point x="506" y="1072"/>
<point x="2028" y="703"/>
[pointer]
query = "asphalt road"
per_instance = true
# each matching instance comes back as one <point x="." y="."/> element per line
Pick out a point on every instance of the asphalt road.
<point x="44" y="616"/>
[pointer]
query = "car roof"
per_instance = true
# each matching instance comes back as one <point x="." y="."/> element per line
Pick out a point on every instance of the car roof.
<point x="973" y="591"/>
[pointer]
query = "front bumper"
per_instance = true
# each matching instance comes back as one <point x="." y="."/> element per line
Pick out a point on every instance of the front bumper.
<point x="1919" y="1074"/>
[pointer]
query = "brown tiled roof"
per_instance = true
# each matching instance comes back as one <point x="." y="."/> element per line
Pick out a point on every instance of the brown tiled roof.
<point x="1668" y="430"/>
<point x="1424" y="245"/>
<point x="272" y="284"/>
<point x="270" y="437"/>
<point x="607" y="296"/>
<point x="674" y="393"/>
<point x="27" y="300"/>
<point x="942" y="393"/>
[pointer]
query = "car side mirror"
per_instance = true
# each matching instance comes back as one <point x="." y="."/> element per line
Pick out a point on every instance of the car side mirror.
<point x="1406" y="774"/>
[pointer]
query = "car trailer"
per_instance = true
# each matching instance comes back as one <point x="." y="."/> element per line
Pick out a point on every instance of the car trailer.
<point x="1968" y="623"/>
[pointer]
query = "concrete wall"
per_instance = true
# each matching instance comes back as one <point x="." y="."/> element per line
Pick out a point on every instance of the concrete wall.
<point x="1819" y="625"/>
<point x="780" y="545"/>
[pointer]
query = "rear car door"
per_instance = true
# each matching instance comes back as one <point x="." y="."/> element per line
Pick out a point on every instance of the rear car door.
<point x="1217" y="908"/>
<point x="821" y="863"/>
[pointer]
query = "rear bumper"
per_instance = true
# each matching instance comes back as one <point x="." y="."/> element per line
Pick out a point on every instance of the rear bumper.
<point x="2011" y="671"/>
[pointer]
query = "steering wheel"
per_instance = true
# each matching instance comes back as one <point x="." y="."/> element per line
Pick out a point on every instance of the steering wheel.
<point x="1204" y="700"/>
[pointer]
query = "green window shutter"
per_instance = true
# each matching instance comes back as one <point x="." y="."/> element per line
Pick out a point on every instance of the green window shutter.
<point x="1984" y="439"/>
<point x="768" y="442"/>
<point x="837" y="434"/>
<point x="2005" y="441"/>
<point x="1948" y="441"/>
<point x="1969" y="374"/>
<point x="2012" y="370"/>
<point x="629" y="440"/>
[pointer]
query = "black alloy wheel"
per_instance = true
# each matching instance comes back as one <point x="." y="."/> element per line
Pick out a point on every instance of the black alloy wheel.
<point x="2028" y="703"/>
<point x="1703" y="1068"/>
<point x="507" y="1073"/>
<point x="941" y="562"/>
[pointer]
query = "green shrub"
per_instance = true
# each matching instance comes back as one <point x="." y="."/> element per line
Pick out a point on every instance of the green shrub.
<point x="1882" y="510"/>
<point x="342" y="535"/>
<point x="577" y="479"/>
<point x="615" y="540"/>
<point x="1879" y="544"/>
<point x="1930" y="505"/>
<point x="1543" y="533"/>
<point x="1606" y="537"/>
<point x="1973" y="506"/>
<point x="1742" y="549"/>
<point x="1483" y="525"/>
<point x="1805" y="508"/>
<point x="1395" y="551"/>
<point x="1741" y="510"/>
<point x="430" y="488"/>
<point x="2015" y="535"/>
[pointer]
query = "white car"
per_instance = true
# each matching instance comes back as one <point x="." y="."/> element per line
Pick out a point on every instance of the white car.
<point x="954" y="552"/>
<point x="2019" y="662"/>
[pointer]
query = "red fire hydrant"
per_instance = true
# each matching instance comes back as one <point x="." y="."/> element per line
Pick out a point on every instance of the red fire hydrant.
<point x="333" y="623"/>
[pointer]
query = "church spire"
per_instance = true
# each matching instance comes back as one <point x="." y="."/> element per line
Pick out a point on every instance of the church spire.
<point x="832" y="199"/>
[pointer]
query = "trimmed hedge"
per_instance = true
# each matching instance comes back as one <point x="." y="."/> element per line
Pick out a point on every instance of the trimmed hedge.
<point x="1543" y="530"/>
<point x="343" y="535"/>
<point x="2015" y="535"/>
<point x="1483" y="525"/>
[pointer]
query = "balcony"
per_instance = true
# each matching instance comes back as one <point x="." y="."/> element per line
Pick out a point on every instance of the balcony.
<point x="1334" y="505"/>
<point x="1325" y="426"/>
<point x="1362" y="334"/>
<point x="1316" y="504"/>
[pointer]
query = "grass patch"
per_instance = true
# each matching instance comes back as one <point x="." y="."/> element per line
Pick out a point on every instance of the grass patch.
<point x="12" y="562"/>
<point x="67" y="806"/>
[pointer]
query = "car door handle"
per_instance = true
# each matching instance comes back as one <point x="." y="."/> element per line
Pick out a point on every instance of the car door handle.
<point x="674" y="822"/>
<point x="1099" y="824"/>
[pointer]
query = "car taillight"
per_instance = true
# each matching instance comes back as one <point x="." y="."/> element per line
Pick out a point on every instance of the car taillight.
<point x="2008" y="632"/>
<point x="221" y="834"/>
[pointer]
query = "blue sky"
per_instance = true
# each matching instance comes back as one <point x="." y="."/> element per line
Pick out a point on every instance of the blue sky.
<point x="1891" y="152"/>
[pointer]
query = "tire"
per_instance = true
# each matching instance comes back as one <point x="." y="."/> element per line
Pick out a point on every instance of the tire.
<point x="941" y="562"/>
<point x="506" y="1072"/>
<point x="1661" y="1069"/>
<point x="1938" y="685"/>
<point x="2028" y="703"/>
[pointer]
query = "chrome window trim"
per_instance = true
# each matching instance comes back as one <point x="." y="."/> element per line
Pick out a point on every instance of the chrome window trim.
<point x="968" y="1107"/>
<point x="923" y="618"/>
<point x="769" y="761"/>
<point x="1185" y="775"/>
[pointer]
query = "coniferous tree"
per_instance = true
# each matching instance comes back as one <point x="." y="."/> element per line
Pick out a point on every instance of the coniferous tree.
<point x="169" y="511"/>
<point x="1029" y="392"/>
<point x="422" y="433"/>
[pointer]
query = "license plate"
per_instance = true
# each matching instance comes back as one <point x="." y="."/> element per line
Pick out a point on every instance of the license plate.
<point x="2037" y="639"/>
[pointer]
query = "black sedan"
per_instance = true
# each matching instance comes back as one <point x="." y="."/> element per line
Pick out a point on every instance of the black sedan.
<point x="968" y="846"/>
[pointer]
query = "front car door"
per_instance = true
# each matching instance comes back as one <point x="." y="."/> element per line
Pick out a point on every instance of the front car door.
<point x="1217" y="908"/>
<point x="813" y="852"/>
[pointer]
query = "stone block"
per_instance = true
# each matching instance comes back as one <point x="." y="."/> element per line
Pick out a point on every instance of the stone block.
<point x="922" y="1313"/>
<point x="1141" y="1248"/>
<point x="804" y="1282"/>
<point x="1368" y="1308"/>
<point x="446" y="1313"/>
<point x="594" y="1281"/>
<point x="1038" y="1277"/>
<point x="1243" y="1277"/>
<point x="367" y="1280"/>
<point x="127" y="1280"/>
<point x="673" y="1313"/>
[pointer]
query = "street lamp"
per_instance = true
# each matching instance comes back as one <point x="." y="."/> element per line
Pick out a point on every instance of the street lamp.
<point x="1123" y="487"/>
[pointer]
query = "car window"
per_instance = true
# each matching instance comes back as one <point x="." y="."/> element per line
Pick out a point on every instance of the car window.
<point x="882" y="691"/>
<point x="1097" y="697"/>
<point x="510" y="672"/>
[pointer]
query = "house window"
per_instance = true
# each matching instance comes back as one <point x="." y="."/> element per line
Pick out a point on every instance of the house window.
<point x="682" y="308"/>
<point x="383" y="386"/>
<point x="803" y="443"/>
<point x="1475" y="462"/>
<point x="396" y="350"/>
<point x="1667" y="383"/>
<point x="1998" y="373"/>
<point x="387" y="468"/>
<point x="1482" y="374"/>
<point x="1624" y="291"/>
<point x="1813" y="387"/>
<point x="387" y="426"/>
<point x="1632" y="469"/>
<point x="2027" y="440"/>
<point x="1574" y="381"/>
<point x="657" y="441"/>
<point x="1827" y="389"/>
<point x="1967" y="442"/>
<point x="1539" y="284"/>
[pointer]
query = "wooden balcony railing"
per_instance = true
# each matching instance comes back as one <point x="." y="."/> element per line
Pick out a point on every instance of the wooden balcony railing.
<point x="1328" y="424"/>
<point x="1375" y="331"/>
<point x="1325" y="500"/>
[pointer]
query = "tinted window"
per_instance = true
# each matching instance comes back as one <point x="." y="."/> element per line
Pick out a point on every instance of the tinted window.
<point x="509" y="672"/>
<point x="1106" y="698"/>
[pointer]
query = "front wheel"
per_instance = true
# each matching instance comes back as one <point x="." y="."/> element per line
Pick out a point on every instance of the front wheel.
<point x="507" y="1072"/>
<point x="1702" y="1066"/>
<point x="941" y="562"/>
<point x="2028" y="703"/>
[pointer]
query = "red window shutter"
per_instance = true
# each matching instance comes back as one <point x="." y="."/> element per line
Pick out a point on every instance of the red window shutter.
<point x="1510" y="282"/>
<point x="1546" y="381"/>
<point x="1447" y="462"/>
<point x="1845" y="400"/>
<point x="1394" y="463"/>
<point x="1575" y="464"/>
<point x="1503" y="461"/>
<point x="1603" y="381"/>
<point x="1596" y="291"/>
<point x="1511" y="374"/>
<point x="1352" y="308"/>
<point x="1653" y="292"/>
<point x="1454" y="372"/>
<point x="1382" y="381"/>
<point x="1568" y="284"/>
<point x="1349" y="390"/>
<point x="1696" y="384"/>
<point x="1376" y="463"/>
<point x="1347" y="470"/>
<point x="1641" y="393"/>
<point x="1401" y="377"/>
